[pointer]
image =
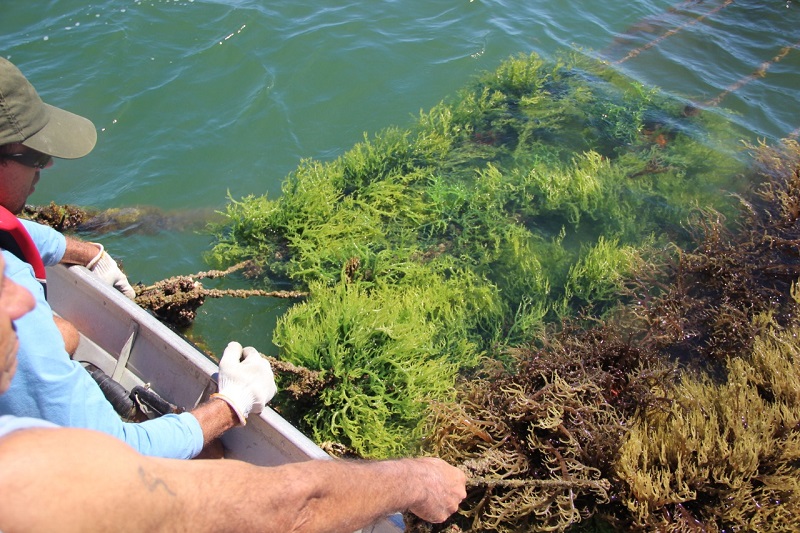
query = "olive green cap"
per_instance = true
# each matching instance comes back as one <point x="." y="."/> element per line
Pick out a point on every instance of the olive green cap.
<point x="26" y="119"/>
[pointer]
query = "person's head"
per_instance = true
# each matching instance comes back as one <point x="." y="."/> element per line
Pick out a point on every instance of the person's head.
<point x="15" y="301"/>
<point x="31" y="134"/>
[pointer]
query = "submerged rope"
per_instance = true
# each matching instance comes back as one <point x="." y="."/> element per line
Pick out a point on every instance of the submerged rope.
<point x="635" y="52"/>
<point x="490" y="482"/>
<point x="760" y="72"/>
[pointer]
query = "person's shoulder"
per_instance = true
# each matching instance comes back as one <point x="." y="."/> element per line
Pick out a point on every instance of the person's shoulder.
<point x="33" y="227"/>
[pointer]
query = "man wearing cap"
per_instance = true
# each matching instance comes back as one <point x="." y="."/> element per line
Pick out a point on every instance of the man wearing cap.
<point x="49" y="385"/>
<point x="32" y="134"/>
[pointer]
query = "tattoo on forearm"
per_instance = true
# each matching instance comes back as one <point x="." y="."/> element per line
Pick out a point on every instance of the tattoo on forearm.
<point x="153" y="483"/>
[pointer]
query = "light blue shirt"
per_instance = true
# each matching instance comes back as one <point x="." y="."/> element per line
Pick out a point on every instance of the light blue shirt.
<point x="50" y="243"/>
<point x="10" y="424"/>
<point x="51" y="386"/>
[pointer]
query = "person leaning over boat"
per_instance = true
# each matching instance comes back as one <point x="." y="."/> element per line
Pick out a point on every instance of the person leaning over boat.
<point x="58" y="479"/>
<point x="49" y="384"/>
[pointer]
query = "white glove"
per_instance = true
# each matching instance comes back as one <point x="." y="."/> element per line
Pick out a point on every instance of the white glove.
<point x="245" y="383"/>
<point x="107" y="270"/>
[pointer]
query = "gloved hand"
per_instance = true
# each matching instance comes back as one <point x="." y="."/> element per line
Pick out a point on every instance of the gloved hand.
<point x="245" y="383"/>
<point x="107" y="270"/>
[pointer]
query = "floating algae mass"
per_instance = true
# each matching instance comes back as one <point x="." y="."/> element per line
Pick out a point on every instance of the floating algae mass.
<point x="594" y="434"/>
<point x="64" y="218"/>
<point x="724" y="453"/>
<point x="125" y="220"/>
<point x="527" y="198"/>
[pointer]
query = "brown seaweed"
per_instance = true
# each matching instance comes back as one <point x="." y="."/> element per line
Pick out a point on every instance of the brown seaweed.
<point x="737" y="271"/>
<point x="64" y="218"/>
<point x="597" y="423"/>
<point x="147" y="220"/>
<point x="538" y="443"/>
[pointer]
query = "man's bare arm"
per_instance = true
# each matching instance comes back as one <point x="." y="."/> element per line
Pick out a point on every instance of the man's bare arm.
<point x="93" y="256"/>
<point x="79" y="252"/>
<point x="215" y="418"/>
<point x="80" y="480"/>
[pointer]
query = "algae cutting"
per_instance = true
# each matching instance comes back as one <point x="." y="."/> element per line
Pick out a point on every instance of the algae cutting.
<point x="576" y="288"/>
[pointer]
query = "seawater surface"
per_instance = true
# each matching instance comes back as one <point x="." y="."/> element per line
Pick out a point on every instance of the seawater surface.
<point x="196" y="101"/>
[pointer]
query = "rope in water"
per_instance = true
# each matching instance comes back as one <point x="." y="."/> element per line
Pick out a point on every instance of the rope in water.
<point x="635" y="52"/>
<point x="760" y="72"/>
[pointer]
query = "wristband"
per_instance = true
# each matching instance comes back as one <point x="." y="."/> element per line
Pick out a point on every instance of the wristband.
<point x="96" y="259"/>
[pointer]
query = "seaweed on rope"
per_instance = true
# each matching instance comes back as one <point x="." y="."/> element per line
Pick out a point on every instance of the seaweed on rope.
<point x="671" y="448"/>
<point x="513" y="178"/>
<point x="539" y="443"/>
<point x="738" y="270"/>
<point x="541" y="186"/>
<point x="387" y="352"/>
<point x="545" y="282"/>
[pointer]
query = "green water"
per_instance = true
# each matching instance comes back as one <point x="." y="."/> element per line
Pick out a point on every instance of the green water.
<point x="195" y="100"/>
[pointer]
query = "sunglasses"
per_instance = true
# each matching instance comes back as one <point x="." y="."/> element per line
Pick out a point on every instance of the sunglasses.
<point x="32" y="159"/>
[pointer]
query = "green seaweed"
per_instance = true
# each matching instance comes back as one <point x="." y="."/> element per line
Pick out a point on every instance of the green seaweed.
<point x="541" y="186"/>
<point x="389" y="347"/>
